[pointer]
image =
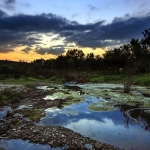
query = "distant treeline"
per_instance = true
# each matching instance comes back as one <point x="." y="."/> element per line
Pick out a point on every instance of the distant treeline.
<point x="132" y="57"/>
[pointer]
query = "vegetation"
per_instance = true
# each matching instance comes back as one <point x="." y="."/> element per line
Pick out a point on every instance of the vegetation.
<point x="125" y="62"/>
<point x="32" y="114"/>
<point x="9" y="96"/>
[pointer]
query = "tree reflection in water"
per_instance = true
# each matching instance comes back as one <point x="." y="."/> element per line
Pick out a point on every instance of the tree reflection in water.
<point x="136" y="114"/>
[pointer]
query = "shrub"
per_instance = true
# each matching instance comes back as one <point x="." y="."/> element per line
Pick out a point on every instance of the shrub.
<point x="2" y="98"/>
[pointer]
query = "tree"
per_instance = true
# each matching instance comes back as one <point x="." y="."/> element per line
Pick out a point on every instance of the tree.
<point x="75" y="57"/>
<point x="138" y="58"/>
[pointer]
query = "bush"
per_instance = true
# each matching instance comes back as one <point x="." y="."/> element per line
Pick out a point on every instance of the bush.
<point x="2" y="98"/>
<point x="9" y="96"/>
<point x="15" y="98"/>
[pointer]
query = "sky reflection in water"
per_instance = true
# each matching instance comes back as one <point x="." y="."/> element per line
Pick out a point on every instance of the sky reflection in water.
<point x="109" y="127"/>
<point x="18" y="144"/>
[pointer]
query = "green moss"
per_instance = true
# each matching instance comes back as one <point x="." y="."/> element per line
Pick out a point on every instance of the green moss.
<point x="99" y="107"/>
<point x="71" y="95"/>
<point x="113" y="94"/>
<point x="32" y="114"/>
<point x="102" y="105"/>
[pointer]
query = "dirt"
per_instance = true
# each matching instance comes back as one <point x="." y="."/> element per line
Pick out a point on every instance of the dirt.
<point x="17" y="124"/>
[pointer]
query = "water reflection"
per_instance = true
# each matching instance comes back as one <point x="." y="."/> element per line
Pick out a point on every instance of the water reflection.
<point x="139" y="116"/>
<point x="23" y="145"/>
<point x="110" y="127"/>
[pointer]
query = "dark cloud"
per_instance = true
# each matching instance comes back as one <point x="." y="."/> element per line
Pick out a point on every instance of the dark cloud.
<point x="9" y="1"/>
<point x="2" y="14"/>
<point x="6" y="49"/>
<point x="8" y="4"/>
<point x="93" y="8"/>
<point x="120" y="29"/>
<point x="25" y="30"/>
<point x="26" y="50"/>
<point x="55" y="50"/>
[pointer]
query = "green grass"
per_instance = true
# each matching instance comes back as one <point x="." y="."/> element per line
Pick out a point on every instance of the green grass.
<point x="93" y="78"/>
<point x="142" y="79"/>
<point x="105" y="78"/>
<point x="9" y="96"/>
<point x="31" y="80"/>
<point x="96" y="79"/>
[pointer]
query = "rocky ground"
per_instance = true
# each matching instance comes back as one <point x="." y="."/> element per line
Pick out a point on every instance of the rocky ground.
<point x="18" y="124"/>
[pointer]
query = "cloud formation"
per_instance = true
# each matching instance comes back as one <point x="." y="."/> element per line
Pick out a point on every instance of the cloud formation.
<point x="9" y="1"/>
<point x="51" y="50"/>
<point x="20" y="30"/>
<point x="7" y="4"/>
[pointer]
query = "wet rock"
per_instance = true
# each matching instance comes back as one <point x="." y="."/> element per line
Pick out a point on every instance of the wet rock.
<point x="147" y="112"/>
<point x="98" y="145"/>
<point x="89" y="146"/>
<point x="55" y="136"/>
<point x="51" y="143"/>
<point x="145" y="94"/>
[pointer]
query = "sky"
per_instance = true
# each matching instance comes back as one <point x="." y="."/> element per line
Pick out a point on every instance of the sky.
<point x="35" y="29"/>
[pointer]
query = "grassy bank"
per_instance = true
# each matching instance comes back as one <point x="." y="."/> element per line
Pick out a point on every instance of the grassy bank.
<point x="93" y="78"/>
<point x="31" y="80"/>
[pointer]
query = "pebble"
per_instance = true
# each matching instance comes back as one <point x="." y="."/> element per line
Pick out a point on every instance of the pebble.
<point x="98" y="145"/>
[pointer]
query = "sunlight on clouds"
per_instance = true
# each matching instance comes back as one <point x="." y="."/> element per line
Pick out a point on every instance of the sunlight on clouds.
<point x="31" y="55"/>
<point x="19" y="55"/>
<point x="49" y="40"/>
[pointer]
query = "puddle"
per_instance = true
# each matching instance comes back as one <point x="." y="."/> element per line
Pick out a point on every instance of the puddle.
<point x="23" y="145"/>
<point x="112" y="127"/>
<point x="3" y="111"/>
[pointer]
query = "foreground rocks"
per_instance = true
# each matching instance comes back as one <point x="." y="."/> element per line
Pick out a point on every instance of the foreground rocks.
<point x="56" y="136"/>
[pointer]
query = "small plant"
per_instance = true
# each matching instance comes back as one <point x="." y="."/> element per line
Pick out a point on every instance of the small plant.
<point x="32" y="114"/>
<point x="15" y="98"/>
<point x="9" y="96"/>
<point x="2" y="98"/>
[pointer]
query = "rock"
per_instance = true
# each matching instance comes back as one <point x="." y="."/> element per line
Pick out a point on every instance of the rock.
<point x="98" y="145"/>
<point x="51" y="143"/>
<point x="147" y="112"/>
<point x="145" y="94"/>
<point x="89" y="146"/>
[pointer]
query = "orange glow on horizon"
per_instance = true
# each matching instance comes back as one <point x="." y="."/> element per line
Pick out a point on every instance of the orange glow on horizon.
<point x="19" y="55"/>
<point x="26" y="57"/>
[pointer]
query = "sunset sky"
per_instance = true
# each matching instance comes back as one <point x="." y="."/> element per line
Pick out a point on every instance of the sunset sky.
<point x="34" y="29"/>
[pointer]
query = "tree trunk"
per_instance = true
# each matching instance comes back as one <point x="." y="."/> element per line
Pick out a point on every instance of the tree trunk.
<point x="128" y="83"/>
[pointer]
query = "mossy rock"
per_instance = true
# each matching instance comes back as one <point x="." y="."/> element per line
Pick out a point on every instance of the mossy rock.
<point x="100" y="107"/>
<point x="32" y="114"/>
